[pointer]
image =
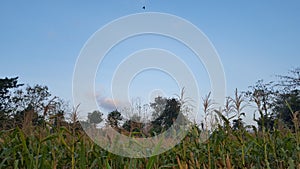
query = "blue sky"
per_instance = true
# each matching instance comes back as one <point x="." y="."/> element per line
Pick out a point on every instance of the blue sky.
<point x="40" y="41"/>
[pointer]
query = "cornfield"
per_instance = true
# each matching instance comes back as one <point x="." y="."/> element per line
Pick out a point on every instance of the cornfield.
<point x="67" y="147"/>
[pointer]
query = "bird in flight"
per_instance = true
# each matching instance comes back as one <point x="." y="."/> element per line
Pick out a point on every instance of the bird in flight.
<point x="144" y="7"/>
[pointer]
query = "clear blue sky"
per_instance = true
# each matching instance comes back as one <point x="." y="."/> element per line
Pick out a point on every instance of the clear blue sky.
<point x="40" y="41"/>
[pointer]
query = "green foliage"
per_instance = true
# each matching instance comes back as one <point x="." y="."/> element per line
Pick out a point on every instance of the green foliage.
<point x="223" y="145"/>
<point x="7" y="85"/>
<point x="31" y="105"/>
<point x="133" y="124"/>
<point x="168" y="115"/>
<point x="158" y="106"/>
<point x="284" y="110"/>
<point x="95" y="117"/>
<point x="270" y="100"/>
<point x="67" y="149"/>
<point x="114" y="118"/>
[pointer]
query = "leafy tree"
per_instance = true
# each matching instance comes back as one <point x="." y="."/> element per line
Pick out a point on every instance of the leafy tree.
<point x="38" y="100"/>
<point x="133" y="124"/>
<point x="114" y="118"/>
<point x="263" y="94"/>
<point x="6" y="85"/>
<point x="277" y="103"/>
<point x="285" y="107"/>
<point x="268" y="121"/>
<point x="36" y="96"/>
<point x="95" y="117"/>
<point x="158" y="106"/>
<point x="27" y="117"/>
<point x="31" y="104"/>
<point x="237" y="124"/>
<point x="287" y="102"/>
<point x="56" y="109"/>
<point x="292" y="81"/>
<point x="167" y="117"/>
<point x="59" y="119"/>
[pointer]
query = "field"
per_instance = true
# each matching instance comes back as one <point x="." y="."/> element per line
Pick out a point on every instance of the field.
<point x="68" y="147"/>
<point x="39" y="136"/>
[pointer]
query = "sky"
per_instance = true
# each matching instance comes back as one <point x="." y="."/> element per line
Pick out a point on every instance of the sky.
<point x="41" y="41"/>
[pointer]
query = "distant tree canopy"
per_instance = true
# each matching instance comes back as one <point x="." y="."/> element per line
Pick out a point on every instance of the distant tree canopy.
<point x="26" y="106"/>
<point x="6" y="86"/>
<point x="292" y="81"/>
<point x="287" y="107"/>
<point x="167" y="116"/>
<point x="114" y="118"/>
<point x="133" y="124"/>
<point x="164" y="112"/>
<point x="287" y="102"/>
<point x="95" y="117"/>
<point x="278" y="105"/>
<point x="158" y="106"/>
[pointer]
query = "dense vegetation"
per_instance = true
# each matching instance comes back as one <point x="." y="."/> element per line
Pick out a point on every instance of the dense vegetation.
<point x="39" y="131"/>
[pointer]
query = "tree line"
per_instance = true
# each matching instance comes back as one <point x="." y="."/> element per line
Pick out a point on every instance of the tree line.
<point x="277" y="103"/>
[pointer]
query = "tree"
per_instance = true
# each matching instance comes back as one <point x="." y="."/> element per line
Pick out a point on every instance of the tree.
<point x="114" y="118"/>
<point x="263" y="94"/>
<point x="167" y="117"/>
<point x="158" y="106"/>
<point x="285" y="107"/>
<point x="287" y="102"/>
<point x="6" y="107"/>
<point x="277" y="103"/>
<point x="237" y="124"/>
<point x="36" y="96"/>
<point x="292" y="81"/>
<point x="56" y="109"/>
<point x="38" y="100"/>
<point x="6" y="84"/>
<point x="29" y="103"/>
<point x="133" y="124"/>
<point x="95" y="117"/>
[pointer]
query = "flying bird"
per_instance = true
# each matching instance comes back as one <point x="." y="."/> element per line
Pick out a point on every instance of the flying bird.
<point x="144" y="7"/>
